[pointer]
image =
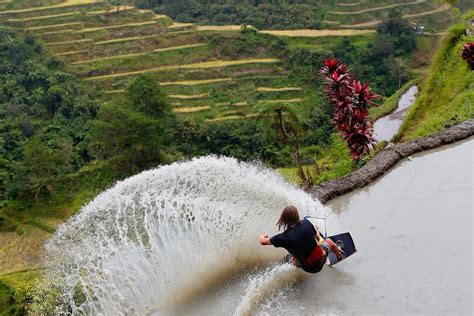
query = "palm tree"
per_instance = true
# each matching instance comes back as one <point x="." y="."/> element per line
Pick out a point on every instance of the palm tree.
<point x="285" y="118"/>
<point x="398" y="69"/>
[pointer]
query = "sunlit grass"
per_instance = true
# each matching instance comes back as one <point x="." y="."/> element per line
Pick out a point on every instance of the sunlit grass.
<point x="72" y="52"/>
<point x="165" y="49"/>
<point x="281" y="89"/>
<point x="202" y="65"/>
<point x="85" y="40"/>
<point x="176" y="25"/>
<point x="446" y="95"/>
<point x="243" y="103"/>
<point x="189" y="97"/>
<point x="127" y="39"/>
<point x="218" y="27"/>
<point x="316" y="33"/>
<point x="232" y="117"/>
<point x="65" y="14"/>
<point x="440" y="9"/>
<point x="93" y="29"/>
<point x="192" y="109"/>
<point x="406" y="16"/>
<point x="295" y="100"/>
<point x="348" y="4"/>
<point x="22" y="251"/>
<point x="67" y="3"/>
<point x="376" y="8"/>
<point x="44" y="17"/>
<point x="44" y="27"/>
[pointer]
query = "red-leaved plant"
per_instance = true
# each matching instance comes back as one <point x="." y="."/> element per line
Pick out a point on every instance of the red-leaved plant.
<point x="351" y="102"/>
<point x="468" y="54"/>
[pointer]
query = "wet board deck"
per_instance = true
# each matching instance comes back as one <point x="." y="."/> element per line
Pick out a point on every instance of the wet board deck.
<point x="346" y="243"/>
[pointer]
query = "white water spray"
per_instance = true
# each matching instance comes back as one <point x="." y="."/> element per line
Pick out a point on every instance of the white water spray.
<point x="167" y="233"/>
<point x="263" y="285"/>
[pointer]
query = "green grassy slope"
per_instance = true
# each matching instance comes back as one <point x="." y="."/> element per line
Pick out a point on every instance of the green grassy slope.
<point x="446" y="96"/>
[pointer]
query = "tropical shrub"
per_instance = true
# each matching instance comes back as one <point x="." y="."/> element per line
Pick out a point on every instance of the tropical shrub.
<point x="468" y="54"/>
<point x="350" y="100"/>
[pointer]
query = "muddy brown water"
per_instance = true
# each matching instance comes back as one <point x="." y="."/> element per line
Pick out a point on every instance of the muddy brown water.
<point x="414" y="231"/>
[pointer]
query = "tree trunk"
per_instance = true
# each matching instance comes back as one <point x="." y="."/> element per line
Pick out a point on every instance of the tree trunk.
<point x="282" y="126"/>
<point x="316" y="167"/>
<point x="297" y="158"/>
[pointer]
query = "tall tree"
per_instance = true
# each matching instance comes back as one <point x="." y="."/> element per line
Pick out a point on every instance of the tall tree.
<point x="43" y="165"/>
<point x="285" y="119"/>
<point x="398" y="31"/>
<point x="145" y="95"/>
<point x="134" y="128"/>
<point x="126" y="135"/>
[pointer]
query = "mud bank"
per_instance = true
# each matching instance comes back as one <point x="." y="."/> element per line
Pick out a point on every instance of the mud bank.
<point x="387" y="158"/>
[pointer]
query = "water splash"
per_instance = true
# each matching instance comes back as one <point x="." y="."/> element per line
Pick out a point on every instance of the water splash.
<point x="266" y="283"/>
<point x="156" y="238"/>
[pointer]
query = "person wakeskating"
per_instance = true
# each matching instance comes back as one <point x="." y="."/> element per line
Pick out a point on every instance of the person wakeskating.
<point x="307" y="248"/>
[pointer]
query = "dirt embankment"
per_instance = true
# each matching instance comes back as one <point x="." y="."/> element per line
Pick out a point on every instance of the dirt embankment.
<point x="387" y="158"/>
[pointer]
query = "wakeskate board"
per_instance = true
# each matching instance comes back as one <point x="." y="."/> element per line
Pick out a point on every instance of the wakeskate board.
<point x="345" y="242"/>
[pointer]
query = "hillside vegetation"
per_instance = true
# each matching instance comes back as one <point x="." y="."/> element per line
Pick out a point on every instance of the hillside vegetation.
<point x="213" y="79"/>
<point x="447" y="94"/>
<point x="109" y="46"/>
<point x="305" y="14"/>
<point x="227" y="67"/>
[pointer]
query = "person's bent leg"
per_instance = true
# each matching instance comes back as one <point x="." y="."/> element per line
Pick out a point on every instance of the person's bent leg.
<point x="334" y="248"/>
<point x="295" y="262"/>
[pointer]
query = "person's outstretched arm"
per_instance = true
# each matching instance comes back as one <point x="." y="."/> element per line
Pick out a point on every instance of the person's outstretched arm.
<point x="265" y="240"/>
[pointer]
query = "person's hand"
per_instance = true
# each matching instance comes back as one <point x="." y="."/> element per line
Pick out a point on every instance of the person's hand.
<point x="264" y="240"/>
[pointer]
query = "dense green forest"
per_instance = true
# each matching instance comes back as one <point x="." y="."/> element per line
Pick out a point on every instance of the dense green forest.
<point x="45" y="118"/>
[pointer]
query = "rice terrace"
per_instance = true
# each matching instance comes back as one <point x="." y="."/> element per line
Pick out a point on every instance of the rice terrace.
<point x="137" y="134"/>
<point x="104" y="44"/>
